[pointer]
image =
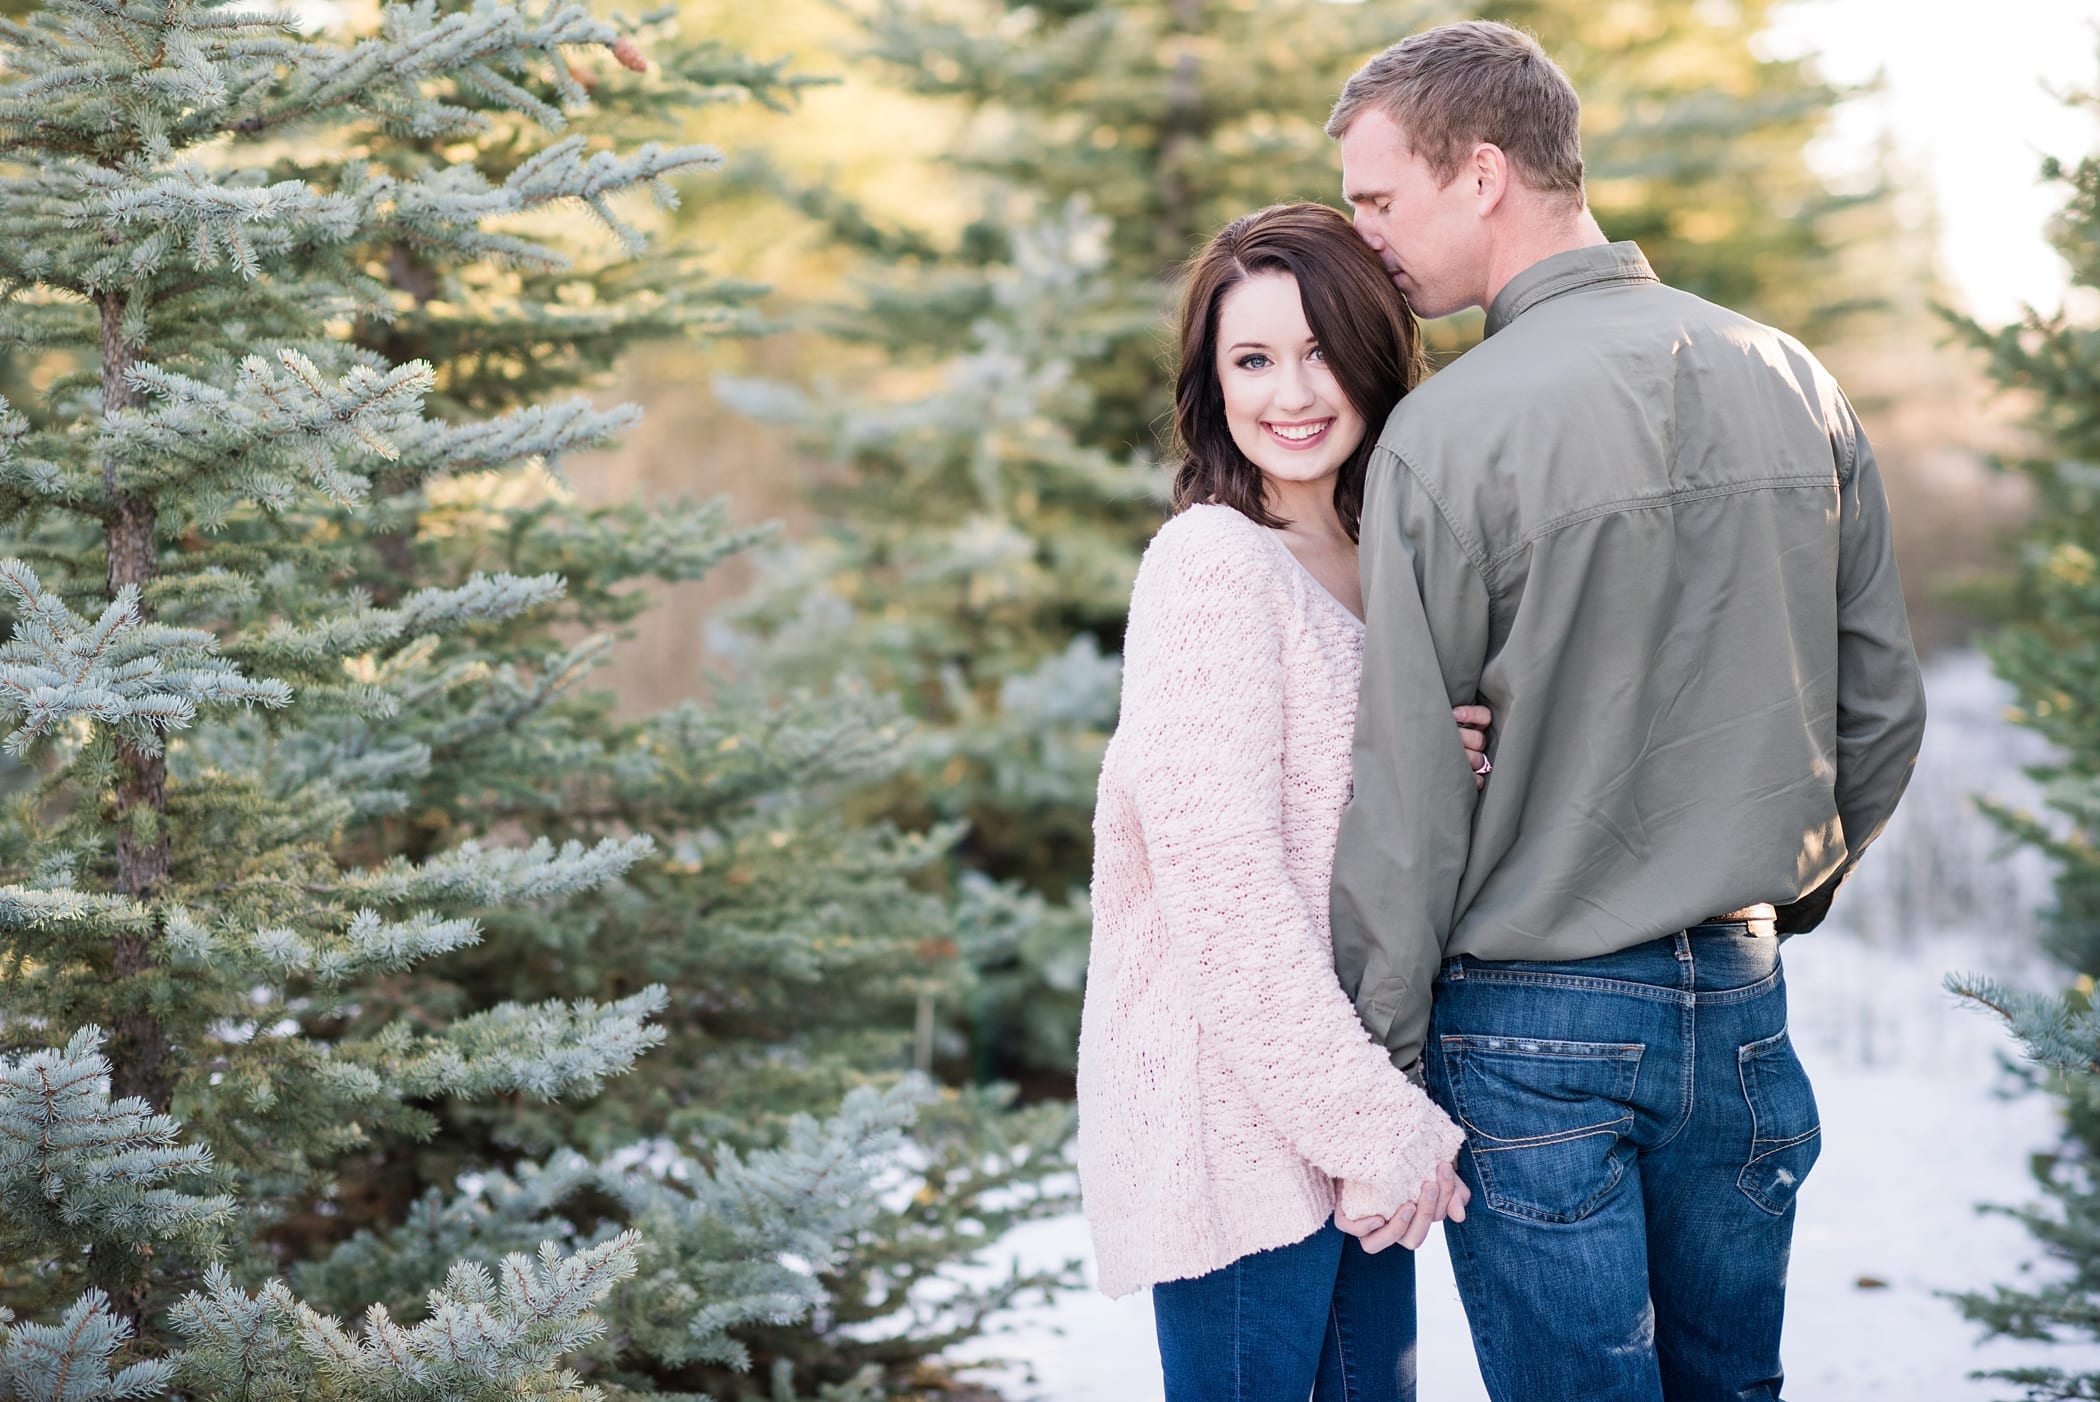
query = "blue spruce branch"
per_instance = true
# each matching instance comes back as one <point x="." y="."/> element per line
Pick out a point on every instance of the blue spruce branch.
<point x="140" y="679"/>
<point x="2055" y="1033"/>
<point x="79" y="1165"/>
<point x="744" y="1242"/>
<point x="485" y="1336"/>
<point x="69" y="1361"/>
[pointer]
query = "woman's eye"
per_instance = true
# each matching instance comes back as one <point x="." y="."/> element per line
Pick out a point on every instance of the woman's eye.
<point x="1316" y="354"/>
<point x="1256" y="361"/>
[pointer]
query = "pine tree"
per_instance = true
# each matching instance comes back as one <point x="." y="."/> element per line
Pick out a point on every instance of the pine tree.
<point x="982" y="538"/>
<point x="2051" y="656"/>
<point x="329" y="894"/>
<point x="972" y="574"/>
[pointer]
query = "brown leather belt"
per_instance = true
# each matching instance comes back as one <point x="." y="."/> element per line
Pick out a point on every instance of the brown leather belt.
<point x="1758" y="920"/>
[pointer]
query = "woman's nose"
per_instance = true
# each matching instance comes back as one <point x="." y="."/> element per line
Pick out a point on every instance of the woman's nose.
<point x="1294" y="388"/>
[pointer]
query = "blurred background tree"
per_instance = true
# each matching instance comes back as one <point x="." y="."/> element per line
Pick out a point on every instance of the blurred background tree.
<point x="2051" y="656"/>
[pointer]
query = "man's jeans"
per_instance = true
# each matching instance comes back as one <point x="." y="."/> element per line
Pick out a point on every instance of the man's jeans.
<point x="1636" y="1127"/>
<point x="1319" y="1316"/>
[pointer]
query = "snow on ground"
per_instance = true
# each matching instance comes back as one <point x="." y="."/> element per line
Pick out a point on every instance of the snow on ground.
<point x="1919" y="1126"/>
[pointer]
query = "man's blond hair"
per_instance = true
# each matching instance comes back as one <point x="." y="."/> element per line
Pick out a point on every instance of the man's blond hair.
<point x="1450" y="88"/>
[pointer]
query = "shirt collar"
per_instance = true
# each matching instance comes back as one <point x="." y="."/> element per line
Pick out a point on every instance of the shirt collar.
<point x="1596" y="266"/>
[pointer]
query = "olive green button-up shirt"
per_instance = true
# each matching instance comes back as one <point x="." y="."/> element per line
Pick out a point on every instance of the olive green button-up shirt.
<point x="1650" y="534"/>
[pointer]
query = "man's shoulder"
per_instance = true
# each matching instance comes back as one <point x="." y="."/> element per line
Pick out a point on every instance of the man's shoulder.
<point x="1557" y="357"/>
<point x="1616" y="396"/>
<point x="1687" y="317"/>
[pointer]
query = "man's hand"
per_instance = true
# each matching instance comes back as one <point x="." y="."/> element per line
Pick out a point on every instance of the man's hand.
<point x="1442" y="1196"/>
<point x="1473" y="723"/>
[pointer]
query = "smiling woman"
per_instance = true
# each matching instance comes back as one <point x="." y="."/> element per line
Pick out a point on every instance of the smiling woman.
<point x="1281" y="396"/>
<point x="1228" y="1095"/>
<point x="1289" y="320"/>
<point x="1287" y="414"/>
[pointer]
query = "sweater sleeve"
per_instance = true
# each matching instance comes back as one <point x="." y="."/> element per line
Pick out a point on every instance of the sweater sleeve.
<point x="1204" y="698"/>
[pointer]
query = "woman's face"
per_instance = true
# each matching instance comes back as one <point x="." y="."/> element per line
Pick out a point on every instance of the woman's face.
<point x="1283" y="405"/>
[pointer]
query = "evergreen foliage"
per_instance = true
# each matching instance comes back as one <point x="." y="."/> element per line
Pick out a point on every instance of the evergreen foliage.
<point x="357" y="961"/>
<point x="971" y="573"/>
<point x="2051" y="656"/>
<point x="982" y="536"/>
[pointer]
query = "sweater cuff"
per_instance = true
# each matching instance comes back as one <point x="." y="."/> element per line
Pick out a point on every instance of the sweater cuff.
<point x="1433" y="1140"/>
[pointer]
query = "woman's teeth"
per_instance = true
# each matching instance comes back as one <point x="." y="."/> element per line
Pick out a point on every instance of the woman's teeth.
<point x="1298" y="433"/>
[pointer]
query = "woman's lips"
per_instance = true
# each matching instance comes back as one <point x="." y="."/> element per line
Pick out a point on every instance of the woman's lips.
<point x="1298" y="435"/>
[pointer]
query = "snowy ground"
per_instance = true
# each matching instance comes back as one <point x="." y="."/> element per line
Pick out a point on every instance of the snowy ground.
<point x="1918" y="1125"/>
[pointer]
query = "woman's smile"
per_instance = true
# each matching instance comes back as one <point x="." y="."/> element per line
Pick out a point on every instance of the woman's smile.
<point x="1300" y="435"/>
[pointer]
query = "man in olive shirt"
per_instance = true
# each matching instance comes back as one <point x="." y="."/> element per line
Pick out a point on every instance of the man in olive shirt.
<point x="1650" y="534"/>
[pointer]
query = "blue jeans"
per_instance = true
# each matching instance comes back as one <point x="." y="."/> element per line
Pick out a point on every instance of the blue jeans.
<point x="1318" y="1317"/>
<point x="1636" y="1127"/>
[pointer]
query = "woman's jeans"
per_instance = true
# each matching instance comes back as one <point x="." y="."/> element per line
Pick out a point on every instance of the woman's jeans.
<point x="1319" y="1317"/>
<point x="1636" y="1127"/>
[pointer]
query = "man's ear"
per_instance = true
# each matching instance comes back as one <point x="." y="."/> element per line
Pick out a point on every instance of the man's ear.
<point x="1487" y="166"/>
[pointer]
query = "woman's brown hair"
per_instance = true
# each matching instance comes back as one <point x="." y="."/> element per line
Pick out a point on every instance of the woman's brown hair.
<point x="1361" y="321"/>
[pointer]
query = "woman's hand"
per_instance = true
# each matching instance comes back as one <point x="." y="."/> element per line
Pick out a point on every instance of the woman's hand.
<point x="1473" y="723"/>
<point x="1444" y="1197"/>
<point x="1357" y="1226"/>
<point x="1361" y="1208"/>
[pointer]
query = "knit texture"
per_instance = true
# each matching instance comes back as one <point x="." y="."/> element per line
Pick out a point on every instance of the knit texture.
<point x="1225" y="1082"/>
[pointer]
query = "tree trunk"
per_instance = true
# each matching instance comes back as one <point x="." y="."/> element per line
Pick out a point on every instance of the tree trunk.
<point x="396" y="548"/>
<point x="138" y="1045"/>
<point x="1182" y="132"/>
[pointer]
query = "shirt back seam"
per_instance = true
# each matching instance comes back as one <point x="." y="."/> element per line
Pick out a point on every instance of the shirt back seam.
<point x="1475" y="552"/>
<point x="1649" y="503"/>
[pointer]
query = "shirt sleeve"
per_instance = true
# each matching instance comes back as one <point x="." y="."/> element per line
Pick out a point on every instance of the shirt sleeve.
<point x="1204" y="712"/>
<point x="1881" y="693"/>
<point x="1402" y="850"/>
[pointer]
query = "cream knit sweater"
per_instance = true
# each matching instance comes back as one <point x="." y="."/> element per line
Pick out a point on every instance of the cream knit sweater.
<point x="1224" y="1080"/>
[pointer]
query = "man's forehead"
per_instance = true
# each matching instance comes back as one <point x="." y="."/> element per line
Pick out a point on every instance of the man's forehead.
<point x="1373" y="174"/>
<point x="1373" y="129"/>
<point x="1373" y="151"/>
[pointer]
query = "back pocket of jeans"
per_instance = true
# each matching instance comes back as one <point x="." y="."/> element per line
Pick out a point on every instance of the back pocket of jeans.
<point x="1785" y="1133"/>
<point x="1543" y="1119"/>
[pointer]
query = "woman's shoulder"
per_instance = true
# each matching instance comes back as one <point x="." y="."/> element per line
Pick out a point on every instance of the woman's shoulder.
<point x="1208" y="573"/>
<point x="1208" y="540"/>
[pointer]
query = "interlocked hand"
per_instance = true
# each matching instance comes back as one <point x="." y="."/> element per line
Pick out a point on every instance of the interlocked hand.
<point x="1443" y="1196"/>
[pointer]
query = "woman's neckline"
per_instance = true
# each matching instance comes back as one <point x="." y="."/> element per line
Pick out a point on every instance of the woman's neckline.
<point x="1312" y="580"/>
